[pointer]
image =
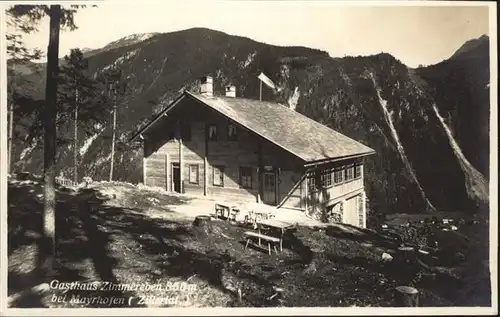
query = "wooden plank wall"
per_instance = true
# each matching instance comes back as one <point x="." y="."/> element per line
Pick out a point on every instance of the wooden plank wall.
<point x="287" y="181"/>
<point x="230" y="154"/>
<point x="155" y="170"/>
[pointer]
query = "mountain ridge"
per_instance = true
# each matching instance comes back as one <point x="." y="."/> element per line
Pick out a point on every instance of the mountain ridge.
<point x="471" y="45"/>
<point x="136" y="38"/>
<point x="375" y="99"/>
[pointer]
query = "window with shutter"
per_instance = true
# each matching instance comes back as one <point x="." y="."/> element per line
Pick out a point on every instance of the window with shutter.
<point x="326" y="177"/>
<point x="212" y="132"/>
<point x="357" y="171"/>
<point x="218" y="174"/>
<point x="246" y="177"/>
<point x="311" y="182"/>
<point x="338" y="176"/>
<point x="349" y="173"/>
<point x="231" y="132"/>
<point x="193" y="174"/>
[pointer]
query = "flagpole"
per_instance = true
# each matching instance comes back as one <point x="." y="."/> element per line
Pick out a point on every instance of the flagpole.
<point x="260" y="90"/>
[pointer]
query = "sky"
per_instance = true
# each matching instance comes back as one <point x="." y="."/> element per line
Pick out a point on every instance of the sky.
<point x="415" y="34"/>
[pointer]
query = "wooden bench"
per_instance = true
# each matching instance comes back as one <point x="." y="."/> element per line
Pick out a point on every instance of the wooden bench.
<point x="269" y="239"/>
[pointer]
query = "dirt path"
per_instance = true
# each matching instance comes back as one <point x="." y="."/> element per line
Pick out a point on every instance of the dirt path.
<point x="155" y="203"/>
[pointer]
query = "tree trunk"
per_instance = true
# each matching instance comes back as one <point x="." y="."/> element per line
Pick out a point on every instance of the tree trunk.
<point x="11" y="130"/>
<point x="75" y="140"/>
<point x="313" y="257"/>
<point x="113" y="141"/>
<point x="10" y="100"/>
<point x="407" y="254"/>
<point x="50" y="111"/>
<point x="201" y="221"/>
<point x="204" y="223"/>
<point x="406" y="296"/>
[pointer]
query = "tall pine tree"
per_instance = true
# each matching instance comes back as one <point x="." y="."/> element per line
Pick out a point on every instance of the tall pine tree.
<point x="79" y="99"/>
<point x="18" y="57"/>
<point x="29" y="17"/>
<point x="117" y="87"/>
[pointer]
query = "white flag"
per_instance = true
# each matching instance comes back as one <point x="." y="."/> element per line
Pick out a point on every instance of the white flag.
<point x="267" y="81"/>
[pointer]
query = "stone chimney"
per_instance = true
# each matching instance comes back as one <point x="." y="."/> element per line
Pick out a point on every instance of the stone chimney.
<point x="207" y="86"/>
<point x="231" y="91"/>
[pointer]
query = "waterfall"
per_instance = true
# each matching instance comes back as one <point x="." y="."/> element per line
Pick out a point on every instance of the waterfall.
<point x="87" y="144"/>
<point x="292" y="101"/>
<point x="28" y="149"/>
<point x="476" y="183"/>
<point x="390" y="123"/>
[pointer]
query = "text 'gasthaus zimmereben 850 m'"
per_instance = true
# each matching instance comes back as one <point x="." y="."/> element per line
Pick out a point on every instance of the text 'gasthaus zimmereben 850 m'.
<point x="149" y="294"/>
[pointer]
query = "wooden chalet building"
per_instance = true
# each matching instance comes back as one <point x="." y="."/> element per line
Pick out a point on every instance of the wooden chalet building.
<point x="256" y="151"/>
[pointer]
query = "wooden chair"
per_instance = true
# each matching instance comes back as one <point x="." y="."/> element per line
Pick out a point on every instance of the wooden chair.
<point x="222" y="210"/>
<point x="234" y="212"/>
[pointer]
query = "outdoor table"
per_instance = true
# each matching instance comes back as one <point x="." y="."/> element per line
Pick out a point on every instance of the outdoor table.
<point x="273" y="223"/>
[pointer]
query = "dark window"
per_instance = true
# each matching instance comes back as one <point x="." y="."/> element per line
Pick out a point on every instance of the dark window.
<point x="231" y="132"/>
<point x="186" y="131"/>
<point x="246" y="177"/>
<point x="212" y="132"/>
<point x="218" y="175"/>
<point x="349" y="173"/>
<point x="193" y="174"/>
<point x="338" y="176"/>
<point x="357" y="171"/>
<point x="326" y="177"/>
<point x="311" y="181"/>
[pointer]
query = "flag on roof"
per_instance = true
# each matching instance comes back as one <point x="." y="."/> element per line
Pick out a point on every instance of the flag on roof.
<point x="266" y="80"/>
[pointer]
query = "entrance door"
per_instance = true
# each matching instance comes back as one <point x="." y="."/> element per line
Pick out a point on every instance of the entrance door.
<point x="351" y="211"/>
<point x="269" y="195"/>
<point x="176" y="177"/>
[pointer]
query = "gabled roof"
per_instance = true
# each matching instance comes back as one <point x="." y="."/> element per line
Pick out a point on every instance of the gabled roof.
<point x="305" y="138"/>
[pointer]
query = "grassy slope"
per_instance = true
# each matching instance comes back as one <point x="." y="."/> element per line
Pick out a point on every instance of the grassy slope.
<point x="119" y="241"/>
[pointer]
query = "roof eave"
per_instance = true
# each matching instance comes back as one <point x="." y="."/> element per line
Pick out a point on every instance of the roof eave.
<point x="338" y="158"/>
<point x="188" y="94"/>
<point x="158" y="117"/>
